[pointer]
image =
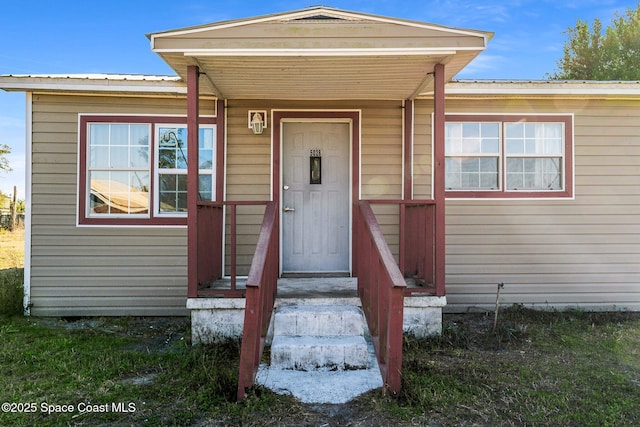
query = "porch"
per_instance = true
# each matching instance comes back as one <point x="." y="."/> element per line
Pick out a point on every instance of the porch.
<point x="310" y="56"/>
<point x="403" y="294"/>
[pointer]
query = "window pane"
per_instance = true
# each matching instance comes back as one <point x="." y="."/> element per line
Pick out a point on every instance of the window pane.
<point x="514" y="130"/>
<point x="119" y="157"/>
<point x="139" y="157"/>
<point x="167" y="158"/>
<point x="471" y="173"/>
<point x="538" y="138"/>
<point x="534" y="173"/>
<point x="489" y="164"/>
<point x="490" y="130"/>
<point x="515" y="146"/>
<point x="470" y="145"/>
<point x="140" y="135"/>
<point x="472" y="138"/>
<point x="138" y="192"/>
<point x="533" y="146"/>
<point x="206" y="159"/>
<point x="452" y="173"/>
<point x="99" y="157"/>
<point x="117" y="148"/>
<point x="553" y="130"/>
<point x="119" y="192"/>
<point x="99" y="192"/>
<point x="205" y="187"/>
<point x="172" y="152"/>
<point x="206" y="138"/>
<point x="515" y="164"/>
<point x="490" y="146"/>
<point x="98" y="145"/>
<point x="119" y="135"/>
<point x="173" y="193"/>
<point x="453" y="136"/>
<point x="489" y="181"/>
<point x="470" y="180"/>
<point x="98" y="134"/>
<point x="471" y="130"/>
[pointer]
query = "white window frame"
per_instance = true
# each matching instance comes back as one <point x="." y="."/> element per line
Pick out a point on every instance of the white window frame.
<point x="157" y="170"/>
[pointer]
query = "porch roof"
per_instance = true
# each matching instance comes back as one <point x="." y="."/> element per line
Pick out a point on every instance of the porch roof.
<point x="318" y="53"/>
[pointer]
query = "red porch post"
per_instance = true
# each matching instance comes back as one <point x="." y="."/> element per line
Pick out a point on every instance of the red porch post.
<point x="438" y="178"/>
<point x="408" y="149"/>
<point x="193" y="115"/>
<point x="408" y="182"/>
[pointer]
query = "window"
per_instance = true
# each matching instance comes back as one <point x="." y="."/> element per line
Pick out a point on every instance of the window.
<point x="118" y="169"/>
<point x="134" y="169"/>
<point x="508" y="156"/>
<point x="172" y="168"/>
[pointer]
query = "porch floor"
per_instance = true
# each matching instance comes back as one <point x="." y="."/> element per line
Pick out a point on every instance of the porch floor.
<point x="307" y="287"/>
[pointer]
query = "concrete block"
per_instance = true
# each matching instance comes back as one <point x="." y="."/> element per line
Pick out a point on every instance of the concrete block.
<point x="214" y="319"/>
<point x="323" y="320"/>
<point x="423" y="316"/>
<point x="309" y="353"/>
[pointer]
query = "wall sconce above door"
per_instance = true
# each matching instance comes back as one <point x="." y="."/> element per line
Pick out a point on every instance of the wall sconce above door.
<point x="257" y="121"/>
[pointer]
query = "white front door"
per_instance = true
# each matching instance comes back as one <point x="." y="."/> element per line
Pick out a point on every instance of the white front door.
<point x="315" y="197"/>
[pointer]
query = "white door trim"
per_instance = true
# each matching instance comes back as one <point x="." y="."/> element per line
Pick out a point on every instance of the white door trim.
<point x="350" y="183"/>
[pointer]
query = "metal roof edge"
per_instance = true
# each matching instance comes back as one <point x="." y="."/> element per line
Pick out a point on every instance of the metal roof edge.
<point x="133" y="83"/>
<point x="543" y="87"/>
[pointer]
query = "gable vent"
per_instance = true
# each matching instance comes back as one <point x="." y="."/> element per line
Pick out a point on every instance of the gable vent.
<point x="319" y="18"/>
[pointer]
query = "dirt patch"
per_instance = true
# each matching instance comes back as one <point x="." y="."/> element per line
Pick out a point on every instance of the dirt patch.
<point x="151" y="334"/>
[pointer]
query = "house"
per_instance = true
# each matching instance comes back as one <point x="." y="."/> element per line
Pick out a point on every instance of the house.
<point x="321" y="134"/>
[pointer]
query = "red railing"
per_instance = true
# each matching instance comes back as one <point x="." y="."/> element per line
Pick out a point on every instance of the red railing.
<point x="210" y="261"/>
<point x="260" y="298"/>
<point x="417" y="245"/>
<point x="210" y="232"/>
<point x="381" y="288"/>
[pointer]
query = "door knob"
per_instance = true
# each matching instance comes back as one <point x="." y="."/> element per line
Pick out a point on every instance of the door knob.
<point x="286" y="209"/>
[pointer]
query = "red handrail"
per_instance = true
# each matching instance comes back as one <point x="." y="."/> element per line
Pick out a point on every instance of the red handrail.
<point x="261" y="293"/>
<point x="381" y="288"/>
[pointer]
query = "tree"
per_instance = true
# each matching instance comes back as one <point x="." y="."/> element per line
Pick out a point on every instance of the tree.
<point x="4" y="162"/>
<point x="591" y="54"/>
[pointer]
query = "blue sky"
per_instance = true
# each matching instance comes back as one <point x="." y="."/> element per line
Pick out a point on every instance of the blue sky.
<point x="108" y="36"/>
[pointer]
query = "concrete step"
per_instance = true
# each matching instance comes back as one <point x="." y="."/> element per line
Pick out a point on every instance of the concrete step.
<point x="318" y="320"/>
<point x="309" y="352"/>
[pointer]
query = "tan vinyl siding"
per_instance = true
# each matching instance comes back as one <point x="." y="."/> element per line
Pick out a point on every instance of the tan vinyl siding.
<point x="422" y="150"/>
<point x="561" y="253"/>
<point x="96" y="270"/>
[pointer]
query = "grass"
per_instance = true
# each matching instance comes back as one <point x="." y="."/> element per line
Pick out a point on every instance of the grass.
<point x="121" y="362"/>
<point x="538" y="368"/>
<point x="11" y="248"/>
<point x="11" y="271"/>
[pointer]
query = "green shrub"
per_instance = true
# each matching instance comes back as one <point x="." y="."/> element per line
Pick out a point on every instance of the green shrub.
<point x="11" y="291"/>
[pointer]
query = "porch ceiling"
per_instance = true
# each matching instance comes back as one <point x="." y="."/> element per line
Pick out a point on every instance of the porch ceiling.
<point x="318" y="53"/>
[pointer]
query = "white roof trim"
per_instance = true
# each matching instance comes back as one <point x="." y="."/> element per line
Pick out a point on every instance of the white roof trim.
<point x="318" y="52"/>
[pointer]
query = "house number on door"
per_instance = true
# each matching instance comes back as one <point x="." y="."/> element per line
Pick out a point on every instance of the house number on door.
<point x="315" y="166"/>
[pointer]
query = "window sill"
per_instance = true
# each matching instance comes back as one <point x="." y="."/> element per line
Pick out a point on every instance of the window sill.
<point x="449" y="194"/>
